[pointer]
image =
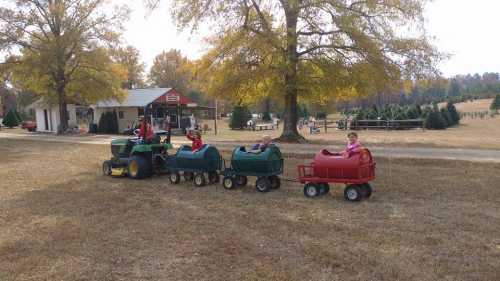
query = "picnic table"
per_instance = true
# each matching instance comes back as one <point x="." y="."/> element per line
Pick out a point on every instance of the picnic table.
<point x="265" y="126"/>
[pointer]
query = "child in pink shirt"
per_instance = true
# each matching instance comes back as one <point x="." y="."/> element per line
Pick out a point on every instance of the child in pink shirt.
<point x="353" y="145"/>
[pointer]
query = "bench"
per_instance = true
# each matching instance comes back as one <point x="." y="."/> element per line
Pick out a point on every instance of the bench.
<point x="267" y="126"/>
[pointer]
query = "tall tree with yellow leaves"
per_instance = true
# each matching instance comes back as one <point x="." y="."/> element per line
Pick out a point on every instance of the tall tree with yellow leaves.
<point x="63" y="48"/>
<point x="331" y="45"/>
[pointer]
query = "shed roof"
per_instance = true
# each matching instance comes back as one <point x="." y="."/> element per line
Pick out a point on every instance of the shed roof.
<point x="136" y="98"/>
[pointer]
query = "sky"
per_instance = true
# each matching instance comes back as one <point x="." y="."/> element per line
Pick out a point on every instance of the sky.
<point x="468" y="30"/>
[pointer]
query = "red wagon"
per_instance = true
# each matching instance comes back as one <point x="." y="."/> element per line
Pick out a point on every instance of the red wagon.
<point x="355" y="172"/>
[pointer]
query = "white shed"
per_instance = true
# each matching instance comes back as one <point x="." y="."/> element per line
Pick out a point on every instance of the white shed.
<point x="47" y="116"/>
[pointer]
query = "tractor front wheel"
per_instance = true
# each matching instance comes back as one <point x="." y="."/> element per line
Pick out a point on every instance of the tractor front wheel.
<point x="106" y="168"/>
<point x="138" y="167"/>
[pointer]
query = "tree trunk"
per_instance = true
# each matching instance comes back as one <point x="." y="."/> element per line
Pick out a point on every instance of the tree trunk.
<point x="63" y="110"/>
<point x="290" y="133"/>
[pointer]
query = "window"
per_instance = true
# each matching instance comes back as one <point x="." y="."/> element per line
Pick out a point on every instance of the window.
<point x="120" y="114"/>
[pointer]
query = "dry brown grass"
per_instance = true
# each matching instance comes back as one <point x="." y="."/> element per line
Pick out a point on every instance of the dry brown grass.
<point x="62" y="220"/>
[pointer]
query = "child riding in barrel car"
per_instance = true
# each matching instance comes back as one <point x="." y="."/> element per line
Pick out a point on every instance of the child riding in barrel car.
<point x="262" y="145"/>
<point x="353" y="145"/>
<point x="195" y="137"/>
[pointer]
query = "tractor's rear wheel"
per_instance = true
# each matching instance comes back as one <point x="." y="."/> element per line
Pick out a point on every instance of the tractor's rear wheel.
<point x="106" y="167"/>
<point x="138" y="167"/>
<point x="311" y="190"/>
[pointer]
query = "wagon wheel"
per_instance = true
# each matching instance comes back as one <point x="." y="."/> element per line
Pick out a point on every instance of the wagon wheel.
<point x="199" y="180"/>
<point x="213" y="177"/>
<point x="324" y="188"/>
<point x="263" y="184"/>
<point x="228" y="182"/>
<point x="188" y="176"/>
<point x="367" y="190"/>
<point x="106" y="167"/>
<point x="174" y="178"/>
<point x="353" y="193"/>
<point x="311" y="190"/>
<point x="275" y="182"/>
<point x="241" y="180"/>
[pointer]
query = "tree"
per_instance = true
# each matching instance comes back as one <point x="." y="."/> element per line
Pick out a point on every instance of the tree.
<point x="11" y="119"/>
<point x="240" y="116"/>
<point x="63" y="46"/>
<point x="454" y="90"/>
<point x="171" y="69"/>
<point x="495" y="104"/>
<point x="129" y="58"/>
<point x="455" y="116"/>
<point x="326" y="47"/>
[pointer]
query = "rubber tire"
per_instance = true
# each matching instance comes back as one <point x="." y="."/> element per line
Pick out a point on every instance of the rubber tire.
<point x="199" y="180"/>
<point x="263" y="184"/>
<point x="324" y="188"/>
<point x="275" y="182"/>
<point x="228" y="183"/>
<point x="311" y="190"/>
<point x="353" y="188"/>
<point x="143" y="168"/>
<point x="367" y="190"/>
<point x="188" y="176"/>
<point x="213" y="177"/>
<point x="241" y="180"/>
<point x="174" y="178"/>
<point x="106" y="168"/>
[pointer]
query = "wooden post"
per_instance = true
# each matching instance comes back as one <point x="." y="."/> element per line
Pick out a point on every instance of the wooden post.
<point x="325" y="126"/>
<point x="215" y="119"/>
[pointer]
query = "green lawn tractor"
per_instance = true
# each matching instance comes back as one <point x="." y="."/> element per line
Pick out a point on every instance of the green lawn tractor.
<point x="136" y="159"/>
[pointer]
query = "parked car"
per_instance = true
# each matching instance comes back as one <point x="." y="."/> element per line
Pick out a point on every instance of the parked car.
<point x="29" y="125"/>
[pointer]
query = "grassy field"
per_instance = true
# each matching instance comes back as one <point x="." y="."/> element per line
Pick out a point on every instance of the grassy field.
<point x="472" y="133"/>
<point x="62" y="220"/>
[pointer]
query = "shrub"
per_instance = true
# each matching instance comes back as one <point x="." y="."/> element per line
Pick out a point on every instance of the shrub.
<point x="455" y="116"/>
<point x="435" y="120"/>
<point x="239" y="117"/>
<point x="11" y="119"/>
<point x="108" y="123"/>
<point x="495" y="104"/>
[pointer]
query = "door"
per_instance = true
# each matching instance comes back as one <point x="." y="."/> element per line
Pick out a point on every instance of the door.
<point x="46" y="119"/>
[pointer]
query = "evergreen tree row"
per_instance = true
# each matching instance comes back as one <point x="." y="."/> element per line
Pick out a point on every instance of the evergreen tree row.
<point x="12" y="119"/>
<point x="434" y="118"/>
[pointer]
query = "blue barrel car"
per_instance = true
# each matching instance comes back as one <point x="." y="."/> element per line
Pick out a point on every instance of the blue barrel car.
<point x="195" y="165"/>
<point x="266" y="165"/>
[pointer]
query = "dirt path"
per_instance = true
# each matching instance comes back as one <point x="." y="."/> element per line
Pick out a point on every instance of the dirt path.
<point x="305" y="150"/>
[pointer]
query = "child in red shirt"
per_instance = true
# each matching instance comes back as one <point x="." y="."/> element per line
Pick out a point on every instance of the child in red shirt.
<point x="195" y="137"/>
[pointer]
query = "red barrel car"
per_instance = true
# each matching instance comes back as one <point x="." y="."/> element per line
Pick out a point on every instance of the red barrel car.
<point x="355" y="171"/>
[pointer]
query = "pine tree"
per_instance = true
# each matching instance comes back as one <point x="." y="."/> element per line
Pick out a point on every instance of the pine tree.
<point x="266" y="116"/>
<point x="455" y="116"/>
<point x="447" y="117"/>
<point x="11" y="120"/>
<point x="239" y="117"/>
<point x="435" y="120"/>
<point x="495" y="105"/>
